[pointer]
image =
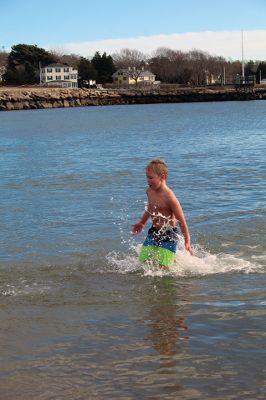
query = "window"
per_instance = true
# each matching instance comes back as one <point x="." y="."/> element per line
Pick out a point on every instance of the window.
<point x="58" y="77"/>
<point x="66" y="77"/>
<point x="58" y="70"/>
<point x="49" y="78"/>
<point x="66" y="69"/>
<point x="49" y="70"/>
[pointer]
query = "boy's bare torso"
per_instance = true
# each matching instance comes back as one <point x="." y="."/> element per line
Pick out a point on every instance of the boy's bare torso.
<point x="159" y="208"/>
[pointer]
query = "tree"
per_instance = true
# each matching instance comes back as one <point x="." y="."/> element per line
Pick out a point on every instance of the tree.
<point x="162" y="66"/>
<point x="170" y="66"/>
<point x="250" y="68"/>
<point x="104" y="66"/>
<point x="199" y="62"/>
<point x="127" y="58"/>
<point x="70" y="59"/>
<point x="196" y="67"/>
<point x="233" y="68"/>
<point x="86" y="71"/>
<point x="24" y="62"/>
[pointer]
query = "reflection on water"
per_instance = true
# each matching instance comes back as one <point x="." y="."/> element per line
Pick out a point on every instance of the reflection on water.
<point x="167" y="320"/>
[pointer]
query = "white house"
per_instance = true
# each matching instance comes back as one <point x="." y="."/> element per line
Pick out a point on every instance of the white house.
<point x="59" y="75"/>
<point x="133" y="76"/>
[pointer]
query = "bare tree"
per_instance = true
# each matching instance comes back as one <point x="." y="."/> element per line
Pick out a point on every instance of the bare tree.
<point x="129" y="58"/>
<point x="70" y="59"/>
<point x="171" y="66"/>
<point x="233" y="68"/>
<point x="199" y="62"/>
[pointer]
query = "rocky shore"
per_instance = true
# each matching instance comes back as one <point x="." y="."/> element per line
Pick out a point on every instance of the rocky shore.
<point x="22" y="98"/>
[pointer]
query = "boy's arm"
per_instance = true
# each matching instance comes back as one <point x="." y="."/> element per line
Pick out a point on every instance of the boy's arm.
<point x="137" y="228"/>
<point x="178" y="213"/>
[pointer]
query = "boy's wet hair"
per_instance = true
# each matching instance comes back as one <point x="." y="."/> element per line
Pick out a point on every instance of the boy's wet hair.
<point x="159" y="167"/>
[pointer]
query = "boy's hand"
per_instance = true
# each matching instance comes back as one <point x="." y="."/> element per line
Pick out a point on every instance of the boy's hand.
<point x="137" y="228"/>
<point x="189" y="249"/>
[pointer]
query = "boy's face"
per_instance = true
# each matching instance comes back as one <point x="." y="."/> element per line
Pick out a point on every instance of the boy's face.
<point x="154" y="180"/>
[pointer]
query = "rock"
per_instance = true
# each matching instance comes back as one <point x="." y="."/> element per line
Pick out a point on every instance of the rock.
<point x="9" y="106"/>
<point x="65" y="103"/>
<point x="19" y="98"/>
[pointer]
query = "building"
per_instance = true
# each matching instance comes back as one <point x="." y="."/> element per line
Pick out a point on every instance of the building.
<point x="59" y="75"/>
<point x="133" y="76"/>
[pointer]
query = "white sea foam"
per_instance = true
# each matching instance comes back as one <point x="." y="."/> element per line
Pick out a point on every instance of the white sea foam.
<point x="200" y="264"/>
<point x="23" y="288"/>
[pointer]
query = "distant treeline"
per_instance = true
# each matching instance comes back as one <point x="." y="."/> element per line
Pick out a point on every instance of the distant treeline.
<point x="194" y="67"/>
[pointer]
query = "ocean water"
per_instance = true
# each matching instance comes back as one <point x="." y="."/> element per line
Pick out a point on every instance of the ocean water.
<point x="80" y="317"/>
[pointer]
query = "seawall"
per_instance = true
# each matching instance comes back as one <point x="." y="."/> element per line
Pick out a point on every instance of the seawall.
<point x="22" y="98"/>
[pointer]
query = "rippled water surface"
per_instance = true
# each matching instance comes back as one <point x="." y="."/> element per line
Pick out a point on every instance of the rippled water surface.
<point x="80" y="318"/>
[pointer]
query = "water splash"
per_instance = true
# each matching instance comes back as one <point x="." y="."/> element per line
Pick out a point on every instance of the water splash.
<point x="200" y="264"/>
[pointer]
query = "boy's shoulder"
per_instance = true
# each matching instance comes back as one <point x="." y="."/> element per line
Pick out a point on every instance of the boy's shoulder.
<point x="170" y="194"/>
<point x="168" y="190"/>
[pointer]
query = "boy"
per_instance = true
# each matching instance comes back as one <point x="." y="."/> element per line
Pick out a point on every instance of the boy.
<point x="164" y="210"/>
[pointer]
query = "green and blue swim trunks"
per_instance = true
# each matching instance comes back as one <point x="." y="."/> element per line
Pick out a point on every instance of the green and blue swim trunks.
<point x="160" y="246"/>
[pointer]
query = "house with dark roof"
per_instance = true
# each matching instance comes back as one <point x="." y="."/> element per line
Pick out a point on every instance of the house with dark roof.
<point x="59" y="75"/>
<point x="133" y="76"/>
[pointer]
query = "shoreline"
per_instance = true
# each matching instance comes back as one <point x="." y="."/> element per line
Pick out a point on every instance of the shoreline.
<point x="30" y="98"/>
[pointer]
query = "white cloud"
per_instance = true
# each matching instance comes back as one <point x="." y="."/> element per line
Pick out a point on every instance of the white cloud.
<point x="226" y="44"/>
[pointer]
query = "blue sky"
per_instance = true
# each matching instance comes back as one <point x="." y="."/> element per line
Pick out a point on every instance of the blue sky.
<point x="84" y="26"/>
